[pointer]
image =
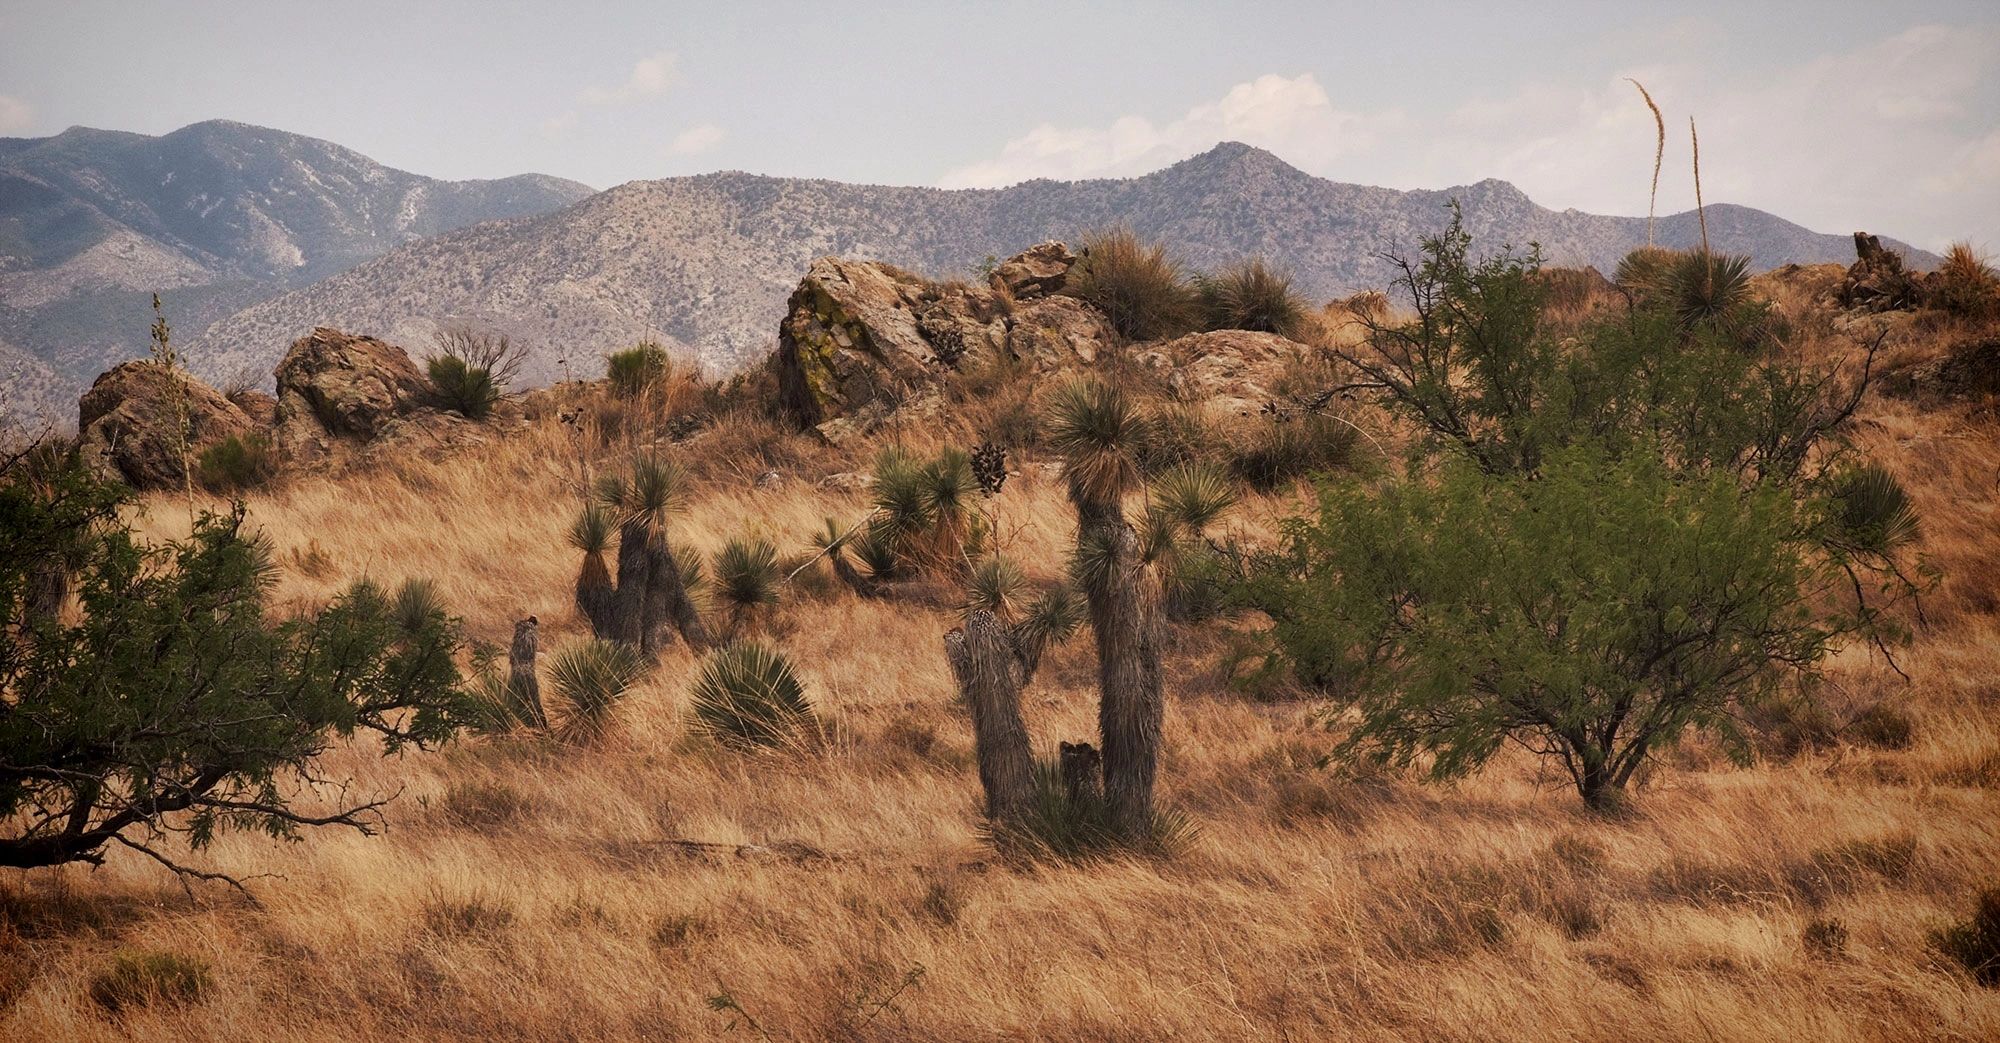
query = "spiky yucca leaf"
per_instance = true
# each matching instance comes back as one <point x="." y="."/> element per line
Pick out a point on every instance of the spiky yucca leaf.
<point x="1646" y="269"/>
<point x="948" y="485"/>
<point x="1195" y="496"/>
<point x="875" y="548"/>
<point x="748" y="696"/>
<point x="687" y="558"/>
<point x="1707" y="287"/>
<point x="1099" y="433"/>
<point x="416" y="602"/>
<point x="654" y="490"/>
<point x="746" y="573"/>
<point x="1051" y="620"/>
<point x="1873" y="511"/>
<point x="591" y="531"/>
<point x="591" y="678"/>
<point x="901" y="493"/>
<point x="995" y="585"/>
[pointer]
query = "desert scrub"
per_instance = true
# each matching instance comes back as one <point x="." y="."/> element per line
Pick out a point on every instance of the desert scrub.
<point x="635" y="369"/>
<point x="236" y="464"/>
<point x="1140" y="288"/>
<point x="469" y="370"/>
<point x="1251" y="295"/>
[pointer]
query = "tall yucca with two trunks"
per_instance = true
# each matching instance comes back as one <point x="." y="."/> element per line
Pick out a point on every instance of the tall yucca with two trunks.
<point x="650" y="593"/>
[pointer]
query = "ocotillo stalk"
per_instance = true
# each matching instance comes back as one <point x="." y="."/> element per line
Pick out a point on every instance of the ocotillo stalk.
<point x="982" y="657"/>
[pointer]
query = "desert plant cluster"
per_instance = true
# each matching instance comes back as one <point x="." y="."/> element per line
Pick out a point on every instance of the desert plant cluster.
<point x="1545" y="656"/>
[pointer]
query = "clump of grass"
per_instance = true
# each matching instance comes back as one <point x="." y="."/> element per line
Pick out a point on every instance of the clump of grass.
<point x="482" y="805"/>
<point x="470" y="916"/>
<point x="1140" y="288"/>
<point x="1061" y="826"/>
<point x="1975" y="942"/>
<point x="236" y="464"/>
<point x="680" y="930"/>
<point x="637" y="368"/>
<point x="748" y="697"/>
<point x="942" y="901"/>
<point x="1286" y="449"/>
<point x="147" y="978"/>
<point x="591" y="678"/>
<point x="1824" y="938"/>
<point x="466" y="390"/>
<point x="1882" y="727"/>
<point x="1251" y="295"/>
<point x="1965" y="284"/>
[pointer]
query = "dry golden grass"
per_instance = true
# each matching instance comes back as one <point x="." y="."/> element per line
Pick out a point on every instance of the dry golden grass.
<point x="524" y="891"/>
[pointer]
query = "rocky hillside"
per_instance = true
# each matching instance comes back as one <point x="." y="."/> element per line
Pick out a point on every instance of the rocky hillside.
<point x="704" y="264"/>
<point x="216" y="216"/>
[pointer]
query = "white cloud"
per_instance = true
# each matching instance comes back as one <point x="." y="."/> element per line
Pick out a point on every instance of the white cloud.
<point x="696" y="140"/>
<point x="15" y="115"/>
<point x="1891" y="137"/>
<point x="650" y="78"/>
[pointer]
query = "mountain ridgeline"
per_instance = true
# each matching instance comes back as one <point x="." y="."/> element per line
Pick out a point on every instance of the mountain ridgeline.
<point x="234" y="224"/>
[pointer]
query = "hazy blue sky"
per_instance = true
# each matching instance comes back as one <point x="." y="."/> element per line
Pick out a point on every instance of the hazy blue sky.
<point x="1884" y="116"/>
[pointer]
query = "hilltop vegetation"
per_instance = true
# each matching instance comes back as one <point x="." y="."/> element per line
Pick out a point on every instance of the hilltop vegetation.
<point x="778" y="725"/>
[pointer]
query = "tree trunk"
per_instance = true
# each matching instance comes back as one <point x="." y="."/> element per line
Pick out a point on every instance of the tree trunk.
<point x="982" y="657"/>
<point x="635" y="570"/>
<point x="522" y="684"/>
<point x="596" y="598"/>
<point x="1124" y="614"/>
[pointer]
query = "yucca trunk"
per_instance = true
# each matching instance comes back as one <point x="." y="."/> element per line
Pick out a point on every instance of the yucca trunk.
<point x="635" y="581"/>
<point x="1124" y="614"/>
<point x="982" y="658"/>
<point x="522" y="684"/>
<point x="674" y="604"/>
<point x="596" y="598"/>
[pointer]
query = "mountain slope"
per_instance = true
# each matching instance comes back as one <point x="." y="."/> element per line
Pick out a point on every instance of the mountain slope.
<point x="216" y="215"/>
<point x="705" y="263"/>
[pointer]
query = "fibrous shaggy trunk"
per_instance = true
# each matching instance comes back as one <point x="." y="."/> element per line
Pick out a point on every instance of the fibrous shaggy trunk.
<point x="522" y="684"/>
<point x="1124" y="613"/>
<point x="669" y="599"/>
<point x="596" y="598"/>
<point x="982" y="658"/>
<point x="635" y="580"/>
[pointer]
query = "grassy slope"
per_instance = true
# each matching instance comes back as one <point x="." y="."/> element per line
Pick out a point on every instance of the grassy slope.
<point x="520" y="893"/>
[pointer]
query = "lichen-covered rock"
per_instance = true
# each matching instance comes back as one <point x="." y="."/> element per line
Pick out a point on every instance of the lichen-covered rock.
<point x="335" y="388"/>
<point x="1055" y="333"/>
<point x="849" y="339"/>
<point x="1230" y="371"/>
<point x="1039" y="270"/>
<point x="129" y="423"/>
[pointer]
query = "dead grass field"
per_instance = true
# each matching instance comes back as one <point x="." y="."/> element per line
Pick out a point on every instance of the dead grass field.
<point x="523" y="891"/>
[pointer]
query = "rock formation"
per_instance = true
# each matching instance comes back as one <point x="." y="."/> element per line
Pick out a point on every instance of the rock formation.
<point x="128" y="420"/>
<point x="335" y="388"/>
<point x="1877" y="281"/>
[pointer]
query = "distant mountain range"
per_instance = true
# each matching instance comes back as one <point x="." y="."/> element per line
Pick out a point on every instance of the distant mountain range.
<point x="234" y="221"/>
<point x="215" y="216"/>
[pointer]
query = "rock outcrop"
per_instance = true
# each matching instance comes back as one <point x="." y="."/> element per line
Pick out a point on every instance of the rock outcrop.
<point x="1228" y="371"/>
<point x="1877" y="281"/>
<point x="128" y="422"/>
<point x="338" y="389"/>
<point x="863" y="339"/>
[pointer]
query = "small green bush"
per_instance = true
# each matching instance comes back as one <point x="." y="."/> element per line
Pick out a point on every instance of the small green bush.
<point x="1138" y="287"/>
<point x="1975" y="942"/>
<point x="142" y="979"/>
<point x="236" y="463"/>
<point x="749" y="697"/>
<point x="637" y="368"/>
<point x="465" y="389"/>
<point x="1251" y="295"/>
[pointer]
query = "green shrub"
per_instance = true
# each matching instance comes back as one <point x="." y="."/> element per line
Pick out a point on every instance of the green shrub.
<point x="466" y="390"/>
<point x="637" y="368"/>
<point x="592" y="678"/>
<point x="1286" y="449"/>
<point x="236" y="463"/>
<point x="1975" y="942"/>
<point x="748" y="696"/>
<point x="142" y="979"/>
<point x="1138" y="287"/>
<point x="1251" y="295"/>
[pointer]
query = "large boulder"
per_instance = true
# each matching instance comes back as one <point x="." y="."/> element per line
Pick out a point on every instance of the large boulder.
<point x="336" y="388"/>
<point x="1055" y="333"/>
<point x="1040" y="269"/>
<point x="1228" y="371"/>
<point x="129" y="423"/>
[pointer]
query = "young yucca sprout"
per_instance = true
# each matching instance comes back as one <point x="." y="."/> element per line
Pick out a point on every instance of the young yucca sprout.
<point x="748" y="696"/>
<point x="1051" y="620"/>
<point x="995" y="585"/>
<point x="591" y="678"/>
<point x="901" y="498"/>
<point x="1195" y="496"/>
<point x="747" y="578"/>
<point x="1872" y="511"/>
<point x="875" y="548"/>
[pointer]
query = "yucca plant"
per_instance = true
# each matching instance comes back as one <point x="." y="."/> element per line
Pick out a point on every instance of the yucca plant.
<point x="1052" y="619"/>
<point x="1645" y="271"/>
<point x="747" y="579"/>
<point x="1251" y="295"/>
<point x="416" y="602"/>
<point x="995" y="585"/>
<point x="1138" y="287"/>
<point x="748" y="696"/>
<point x="1707" y="288"/>
<point x="1965" y="284"/>
<point x="1872" y="511"/>
<point x="875" y="548"/>
<point x="1099" y="433"/>
<point x="596" y="597"/>
<point x="832" y="542"/>
<point x="591" y="678"/>
<point x="901" y="498"/>
<point x="651" y="594"/>
<point x="1195" y="496"/>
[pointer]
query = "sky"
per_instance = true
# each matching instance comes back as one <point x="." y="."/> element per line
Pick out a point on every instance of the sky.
<point x="1840" y="115"/>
